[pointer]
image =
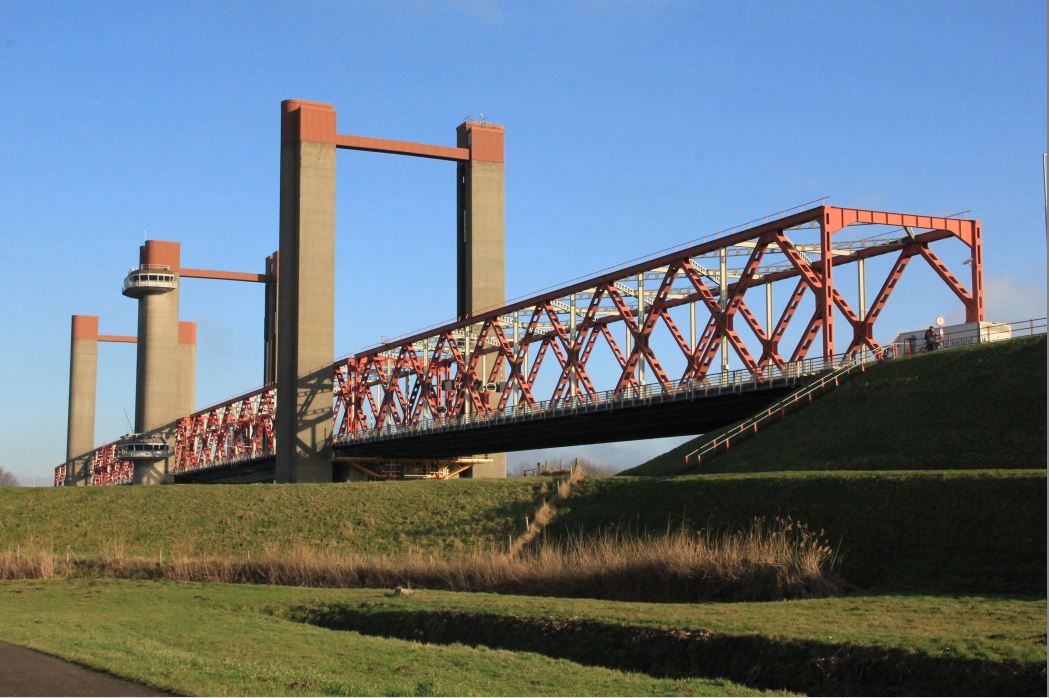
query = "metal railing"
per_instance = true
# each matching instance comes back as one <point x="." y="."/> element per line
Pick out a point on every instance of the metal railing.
<point x="992" y="332"/>
<point x="149" y="267"/>
<point x="722" y="442"/>
<point x="950" y="340"/>
<point x="729" y="382"/>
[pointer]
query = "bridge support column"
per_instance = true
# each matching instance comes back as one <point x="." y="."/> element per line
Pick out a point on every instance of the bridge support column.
<point x="723" y="304"/>
<point x="974" y="311"/>
<point x="825" y="297"/>
<point x="480" y="239"/>
<point x="157" y="376"/>
<point x="306" y="303"/>
<point x="83" y="376"/>
<point x="269" y="328"/>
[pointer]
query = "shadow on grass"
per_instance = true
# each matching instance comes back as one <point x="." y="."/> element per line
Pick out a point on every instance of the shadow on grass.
<point x="762" y="662"/>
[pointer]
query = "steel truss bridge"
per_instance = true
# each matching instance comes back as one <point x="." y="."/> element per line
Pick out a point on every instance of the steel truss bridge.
<point x="632" y="353"/>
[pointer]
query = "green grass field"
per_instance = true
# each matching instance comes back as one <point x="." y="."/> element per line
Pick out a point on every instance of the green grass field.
<point x="214" y="639"/>
<point x="227" y="639"/>
<point x="926" y="475"/>
<point x="976" y="407"/>
<point x="238" y="520"/>
<point x="980" y="531"/>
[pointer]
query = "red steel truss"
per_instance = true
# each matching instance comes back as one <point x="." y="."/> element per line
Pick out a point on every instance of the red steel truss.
<point x="501" y="359"/>
<point x="107" y="469"/>
<point x="489" y="362"/>
<point x="103" y="468"/>
<point x="241" y="429"/>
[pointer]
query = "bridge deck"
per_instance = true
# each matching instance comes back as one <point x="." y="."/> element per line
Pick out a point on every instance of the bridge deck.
<point x="655" y="415"/>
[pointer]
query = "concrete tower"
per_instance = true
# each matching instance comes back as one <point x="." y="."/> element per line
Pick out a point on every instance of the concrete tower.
<point x="158" y="392"/>
<point x="83" y="372"/>
<point x="306" y="302"/>
<point x="481" y="246"/>
<point x="480" y="239"/>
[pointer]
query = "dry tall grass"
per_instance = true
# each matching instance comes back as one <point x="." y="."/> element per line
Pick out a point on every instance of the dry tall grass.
<point x="776" y="560"/>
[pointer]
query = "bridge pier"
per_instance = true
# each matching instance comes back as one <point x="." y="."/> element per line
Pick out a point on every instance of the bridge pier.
<point x="83" y="375"/>
<point x="158" y="381"/>
<point x="306" y="302"/>
<point x="187" y="367"/>
<point x="481" y="239"/>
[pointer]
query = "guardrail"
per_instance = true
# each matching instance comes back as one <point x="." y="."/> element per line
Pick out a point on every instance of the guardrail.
<point x="722" y="442"/>
<point x="729" y="382"/>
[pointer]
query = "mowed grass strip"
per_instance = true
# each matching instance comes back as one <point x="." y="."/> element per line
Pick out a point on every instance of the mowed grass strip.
<point x="240" y="520"/>
<point x="974" y="407"/>
<point x="229" y="639"/>
<point x="202" y="639"/>
<point x="965" y="531"/>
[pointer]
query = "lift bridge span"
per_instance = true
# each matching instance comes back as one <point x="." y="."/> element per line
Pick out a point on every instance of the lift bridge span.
<point x="643" y="351"/>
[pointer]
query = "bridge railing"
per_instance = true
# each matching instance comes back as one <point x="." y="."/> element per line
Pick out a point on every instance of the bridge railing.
<point x="988" y="332"/>
<point x="722" y="442"/>
<point x="736" y="381"/>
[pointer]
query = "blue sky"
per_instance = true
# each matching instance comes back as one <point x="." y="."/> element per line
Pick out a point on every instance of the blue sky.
<point x="631" y="126"/>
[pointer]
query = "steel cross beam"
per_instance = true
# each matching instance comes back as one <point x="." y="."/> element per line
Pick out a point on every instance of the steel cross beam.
<point x="383" y="145"/>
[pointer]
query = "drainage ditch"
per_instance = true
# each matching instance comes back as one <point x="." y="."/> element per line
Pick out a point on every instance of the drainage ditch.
<point x="805" y="666"/>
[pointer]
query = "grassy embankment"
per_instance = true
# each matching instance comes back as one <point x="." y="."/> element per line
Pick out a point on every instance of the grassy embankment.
<point x="241" y="520"/>
<point x="310" y="541"/>
<point x="976" y="407"/>
<point x="236" y="639"/>
<point x="975" y="531"/>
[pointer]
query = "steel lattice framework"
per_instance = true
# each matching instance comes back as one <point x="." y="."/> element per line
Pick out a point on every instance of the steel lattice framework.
<point x="107" y="469"/>
<point x="239" y="430"/>
<point x="484" y="364"/>
<point x="500" y="360"/>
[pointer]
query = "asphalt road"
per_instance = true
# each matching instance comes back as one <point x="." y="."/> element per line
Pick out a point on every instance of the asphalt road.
<point x="25" y="672"/>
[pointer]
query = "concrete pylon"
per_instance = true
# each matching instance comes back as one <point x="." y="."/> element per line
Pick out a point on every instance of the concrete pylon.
<point x="480" y="239"/>
<point x="83" y="377"/>
<point x="187" y="369"/>
<point x="306" y="302"/>
<point x="481" y="247"/>
<point x="157" y="376"/>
